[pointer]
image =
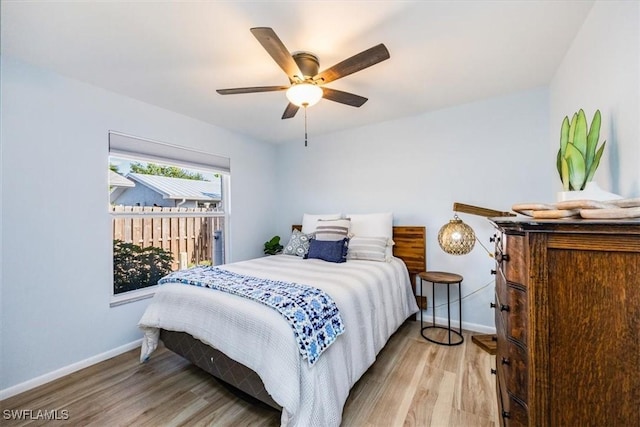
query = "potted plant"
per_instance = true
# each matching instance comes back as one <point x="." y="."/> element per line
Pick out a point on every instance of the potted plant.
<point x="273" y="246"/>
<point x="579" y="157"/>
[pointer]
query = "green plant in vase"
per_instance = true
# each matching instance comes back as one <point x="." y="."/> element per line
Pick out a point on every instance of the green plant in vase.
<point x="579" y="156"/>
<point x="273" y="246"/>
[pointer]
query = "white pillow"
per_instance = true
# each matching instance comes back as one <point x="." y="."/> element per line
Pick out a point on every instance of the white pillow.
<point x="309" y="221"/>
<point x="369" y="248"/>
<point x="372" y="225"/>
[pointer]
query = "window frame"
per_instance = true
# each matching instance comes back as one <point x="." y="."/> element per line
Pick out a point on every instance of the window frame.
<point x="146" y="150"/>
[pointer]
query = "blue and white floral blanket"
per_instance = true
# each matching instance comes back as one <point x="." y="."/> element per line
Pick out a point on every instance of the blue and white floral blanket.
<point x="311" y="312"/>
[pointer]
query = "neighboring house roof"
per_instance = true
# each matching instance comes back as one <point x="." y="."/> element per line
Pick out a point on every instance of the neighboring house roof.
<point x="117" y="180"/>
<point x="179" y="188"/>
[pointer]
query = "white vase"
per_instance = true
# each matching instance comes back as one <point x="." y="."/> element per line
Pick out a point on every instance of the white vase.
<point x="591" y="192"/>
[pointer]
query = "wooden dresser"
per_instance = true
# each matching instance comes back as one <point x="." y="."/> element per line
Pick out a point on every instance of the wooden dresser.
<point x="568" y="322"/>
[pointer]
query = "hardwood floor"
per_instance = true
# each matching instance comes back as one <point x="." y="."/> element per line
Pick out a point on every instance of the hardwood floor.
<point x="413" y="383"/>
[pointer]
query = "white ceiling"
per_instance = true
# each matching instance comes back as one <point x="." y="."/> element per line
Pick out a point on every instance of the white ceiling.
<point x="175" y="54"/>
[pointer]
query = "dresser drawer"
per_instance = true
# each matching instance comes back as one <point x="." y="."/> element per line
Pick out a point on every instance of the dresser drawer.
<point x="502" y="396"/>
<point x="510" y="411"/>
<point x="511" y="307"/>
<point x="514" y="414"/>
<point x="511" y="259"/>
<point x="516" y="313"/>
<point x="511" y="361"/>
<point x="501" y="321"/>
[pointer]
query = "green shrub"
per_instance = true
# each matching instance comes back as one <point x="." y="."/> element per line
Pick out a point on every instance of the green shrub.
<point x="135" y="267"/>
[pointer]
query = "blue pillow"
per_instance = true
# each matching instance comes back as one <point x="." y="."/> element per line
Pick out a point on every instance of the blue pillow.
<point x="328" y="250"/>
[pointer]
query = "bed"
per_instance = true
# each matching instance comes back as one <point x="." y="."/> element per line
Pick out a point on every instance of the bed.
<point x="250" y="346"/>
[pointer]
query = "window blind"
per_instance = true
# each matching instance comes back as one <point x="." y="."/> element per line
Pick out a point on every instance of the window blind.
<point x="133" y="146"/>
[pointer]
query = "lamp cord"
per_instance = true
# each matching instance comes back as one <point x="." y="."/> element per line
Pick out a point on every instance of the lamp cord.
<point x="467" y="295"/>
<point x="455" y="216"/>
<point x="484" y="247"/>
<point x="305" y="125"/>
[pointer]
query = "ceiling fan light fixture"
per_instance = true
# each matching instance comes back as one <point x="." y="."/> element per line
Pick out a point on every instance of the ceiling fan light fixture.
<point x="304" y="94"/>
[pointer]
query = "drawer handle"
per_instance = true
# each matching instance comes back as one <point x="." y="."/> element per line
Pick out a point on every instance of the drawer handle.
<point x="492" y="238"/>
<point x="505" y="361"/>
<point x="494" y="372"/>
<point x="506" y="414"/>
<point x="504" y="307"/>
<point x="492" y="305"/>
<point x="501" y="257"/>
<point x="494" y="272"/>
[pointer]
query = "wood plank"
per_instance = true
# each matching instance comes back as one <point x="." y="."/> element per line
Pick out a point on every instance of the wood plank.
<point x="413" y="382"/>
<point x="395" y="392"/>
<point x="175" y="242"/>
<point x="156" y="229"/>
<point x="475" y="210"/>
<point x="190" y="240"/>
<point x="486" y="342"/>
<point x="420" y="412"/>
<point x="596" y="315"/>
<point x="165" y="236"/>
<point x="410" y="246"/>
<point x="594" y="242"/>
<point x="182" y="236"/>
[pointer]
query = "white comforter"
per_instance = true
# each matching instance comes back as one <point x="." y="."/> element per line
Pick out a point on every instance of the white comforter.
<point x="374" y="298"/>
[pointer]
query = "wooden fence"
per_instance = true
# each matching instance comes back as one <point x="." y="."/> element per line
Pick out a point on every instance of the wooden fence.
<point x="183" y="234"/>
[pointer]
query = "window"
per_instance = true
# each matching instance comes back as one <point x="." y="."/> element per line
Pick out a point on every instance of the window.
<point x="168" y="208"/>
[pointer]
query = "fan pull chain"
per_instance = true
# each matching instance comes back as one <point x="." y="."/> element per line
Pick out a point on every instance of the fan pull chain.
<point x="305" y="125"/>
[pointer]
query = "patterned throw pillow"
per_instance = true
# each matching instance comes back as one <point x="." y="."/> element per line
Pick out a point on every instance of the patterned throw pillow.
<point x="329" y="250"/>
<point x="298" y="244"/>
<point x="368" y="248"/>
<point x="334" y="229"/>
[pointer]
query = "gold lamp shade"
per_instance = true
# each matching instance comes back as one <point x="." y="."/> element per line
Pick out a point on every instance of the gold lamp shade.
<point x="456" y="237"/>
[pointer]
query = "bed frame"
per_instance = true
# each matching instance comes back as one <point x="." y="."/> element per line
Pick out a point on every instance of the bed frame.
<point x="410" y="246"/>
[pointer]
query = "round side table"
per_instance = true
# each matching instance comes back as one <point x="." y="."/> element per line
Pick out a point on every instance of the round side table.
<point x="441" y="277"/>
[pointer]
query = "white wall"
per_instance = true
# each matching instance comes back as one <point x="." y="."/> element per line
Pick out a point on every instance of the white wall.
<point x="492" y="154"/>
<point x="56" y="232"/>
<point x="601" y="70"/>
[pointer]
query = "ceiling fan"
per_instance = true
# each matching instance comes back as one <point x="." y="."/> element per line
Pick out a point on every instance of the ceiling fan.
<point x="305" y="81"/>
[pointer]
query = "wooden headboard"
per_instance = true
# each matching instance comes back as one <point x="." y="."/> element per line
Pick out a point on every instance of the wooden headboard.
<point x="411" y="247"/>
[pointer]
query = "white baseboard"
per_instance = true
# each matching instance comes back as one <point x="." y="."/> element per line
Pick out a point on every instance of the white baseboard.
<point x="474" y="327"/>
<point x="58" y="373"/>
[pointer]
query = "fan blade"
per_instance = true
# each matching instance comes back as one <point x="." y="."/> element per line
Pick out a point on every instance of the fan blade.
<point x="235" y="91"/>
<point x="355" y="63"/>
<point x="290" y="111"/>
<point x="343" y="97"/>
<point x="274" y="46"/>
